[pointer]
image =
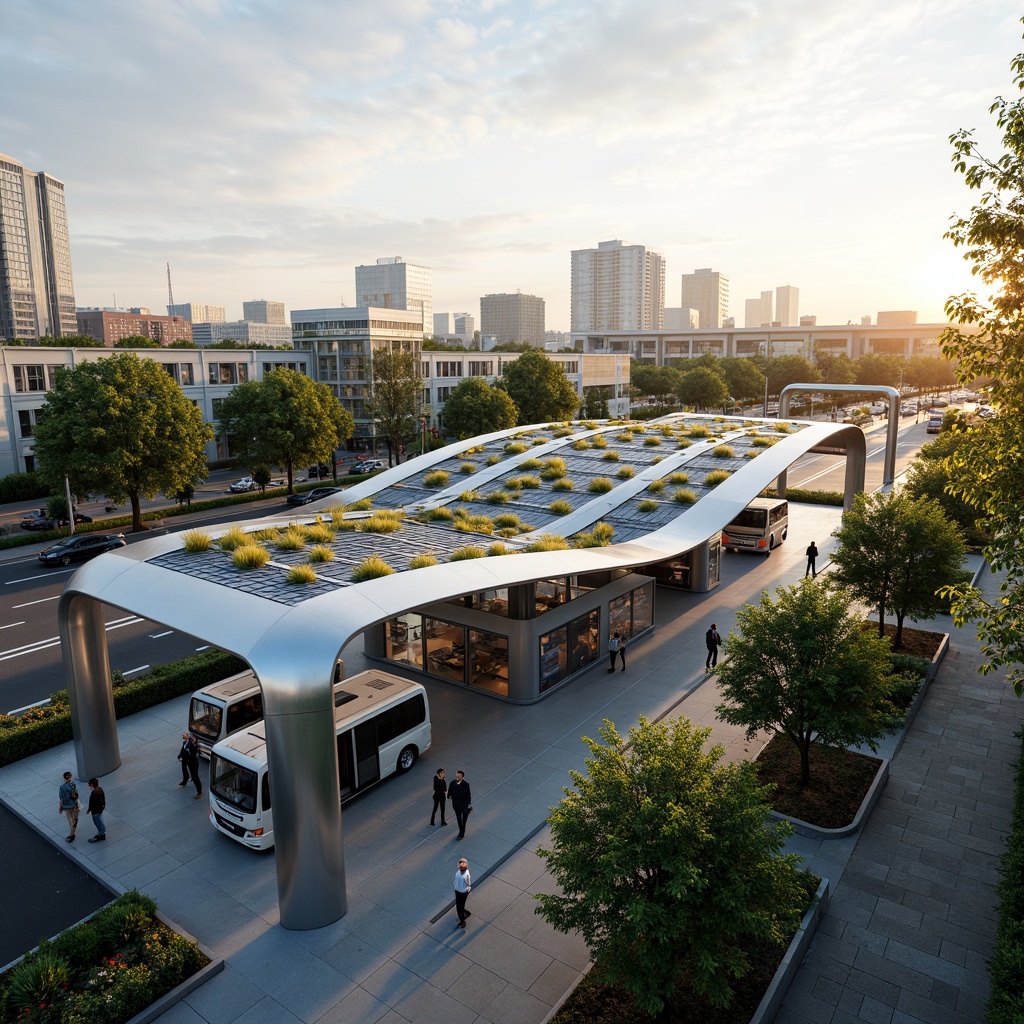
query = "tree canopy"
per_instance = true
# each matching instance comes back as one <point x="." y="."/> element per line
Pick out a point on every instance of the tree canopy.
<point x="896" y="552"/>
<point x="990" y="343"/>
<point x="744" y="380"/>
<point x="802" y="666"/>
<point x="284" y="420"/>
<point x="394" y="400"/>
<point x="653" y="381"/>
<point x="539" y="388"/>
<point x="121" y="426"/>
<point x="476" y="407"/>
<point x="702" y="388"/>
<point x="666" y="860"/>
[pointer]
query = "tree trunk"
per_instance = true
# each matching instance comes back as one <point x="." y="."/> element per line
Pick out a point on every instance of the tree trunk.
<point x="897" y="641"/>
<point x="804" y="747"/>
<point x="290" y="467"/>
<point x="881" y="620"/>
<point x="136" y="512"/>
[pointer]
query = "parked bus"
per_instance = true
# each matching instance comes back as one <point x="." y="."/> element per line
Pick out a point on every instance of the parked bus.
<point x="382" y="724"/>
<point x="761" y="526"/>
<point x="935" y="418"/>
<point x="222" y="708"/>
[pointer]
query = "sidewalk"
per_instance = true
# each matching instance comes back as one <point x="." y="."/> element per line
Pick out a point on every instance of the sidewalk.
<point x="396" y="957"/>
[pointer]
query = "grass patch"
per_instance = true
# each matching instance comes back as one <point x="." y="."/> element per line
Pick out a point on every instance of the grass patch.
<point x="548" y="542"/>
<point x="600" y="485"/>
<point x="234" y="538"/>
<point x="647" y="505"/>
<point x="716" y="477"/>
<point x="467" y="468"/>
<point x="611" y="456"/>
<point x="652" y="442"/>
<point x="195" y="541"/>
<point x="300" y="574"/>
<point x="321" y="553"/>
<point x="250" y="556"/>
<point x="600" y="536"/>
<point x="564" y="484"/>
<point x="560" y="508"/>
<point x="684" y="496"/>
<point x="370" y="569"/>
<point x="678" y="479"/>
<point x="723" y="451"/>
<point x="436" y="478"/>
<point x="467" y="552"/>
<point x="422" y="561"/>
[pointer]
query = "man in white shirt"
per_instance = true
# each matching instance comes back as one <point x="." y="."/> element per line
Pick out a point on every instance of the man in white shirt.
<point x="462" y="887"/>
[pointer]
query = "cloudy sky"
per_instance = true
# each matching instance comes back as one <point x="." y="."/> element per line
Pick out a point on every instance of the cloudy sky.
<point x="265" y="147"/>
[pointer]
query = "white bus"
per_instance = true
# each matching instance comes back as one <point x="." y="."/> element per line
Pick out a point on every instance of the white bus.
<point x="225" y="707"/>
<point x="760" y="527"/>
<point x="382" y="723"/>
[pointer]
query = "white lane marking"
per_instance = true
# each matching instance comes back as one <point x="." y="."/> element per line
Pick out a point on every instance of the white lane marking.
<point x="132" y="671"/>
<point x="205" y="647"/>
<point x="11" y="625"/>
<point x="45" y="576"/>
<point x="156" y="636"/>
<point x="54" y="641"/>
<point x="29" y="707"/>
<point x="42" y="600"/>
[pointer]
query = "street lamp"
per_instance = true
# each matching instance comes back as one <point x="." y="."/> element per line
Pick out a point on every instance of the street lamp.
<point x="423" y="435"/>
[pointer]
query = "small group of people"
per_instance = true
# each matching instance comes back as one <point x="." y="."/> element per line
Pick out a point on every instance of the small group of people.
<point x="459" y="793"/>
<point x="69" y="805"/>
<point x="616" y="646"/>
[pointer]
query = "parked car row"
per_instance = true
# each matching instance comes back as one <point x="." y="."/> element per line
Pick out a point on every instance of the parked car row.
<point x="367" y="466"/>
<point x="42" y="520"/>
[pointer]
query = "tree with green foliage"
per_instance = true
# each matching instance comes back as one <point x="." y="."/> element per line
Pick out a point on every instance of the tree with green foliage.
<point x="394" y="402"/>
<point x="929" y="373"/>
<point x="475" y="407"/>
<point x="120" y="426"/>
<point x="137" y="341"/>
<point x="658" y="382"/>
<point x="990" y="343"/>
<point x="895" y="553"/>
<point x="284" y="420"/>
<point x="702" y="389"/>
<point x="539" y="388"/>
<point x="666" y="862"/>
<point x="743" y="379"/>
<point x="69" y="341"/>
<point x="836" y="368"/>
<point x="803" y="666"/>
<point x="879" y="368"/>
<point x="929" y="477"/>
<point x="783" y="370"/>
<point x="595" y="402"/>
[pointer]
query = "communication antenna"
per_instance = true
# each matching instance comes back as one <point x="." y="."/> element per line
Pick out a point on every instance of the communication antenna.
<point x="170" y="291"/>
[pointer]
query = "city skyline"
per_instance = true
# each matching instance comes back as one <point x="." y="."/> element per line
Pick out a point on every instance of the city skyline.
<point x="794" y="143"/>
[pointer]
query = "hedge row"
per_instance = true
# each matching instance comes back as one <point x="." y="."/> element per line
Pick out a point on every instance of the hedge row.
<point x="1006" y="1003"/>
<point x="22" y="487"/>
<point x="41" y="728"/>
<point x="807" y="496"/>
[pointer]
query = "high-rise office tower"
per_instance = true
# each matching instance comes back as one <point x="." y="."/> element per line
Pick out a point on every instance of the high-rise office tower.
<point x="465" y="327"/>
<point x="758" y="312"/>
<point x="617" y="287"/>
<point x="262" y="311"/>
<point x="513" y="317"/>
<point x="197" y="313"/>
<point x="707" y="291"/>
<point x="392" y="283"/>
<point x="787" y="302"/>
<point x="37" y="293"/>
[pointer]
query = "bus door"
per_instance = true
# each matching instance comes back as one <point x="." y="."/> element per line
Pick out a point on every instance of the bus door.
<point x="367" y="754"/>
<point x="346" y="764"/>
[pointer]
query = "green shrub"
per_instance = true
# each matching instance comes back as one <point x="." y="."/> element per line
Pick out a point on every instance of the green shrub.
<point x="318" y="533"/>
<point x="321" y="553"/>
<point x="383" y="521"/>
<point x="250" y="556"/>
<point x="600" y="485"/>
<point x="506" y="519"/>
<point x="647" y="505"/>
<point x="301" y="574"/>
<point x="195" y="541"/>
<point x="467" y="552"/>
<point x="38" y="982"/>
<point x="493" y="460"/>
<point x="467" y="468"/>
<point x="760" y="441"/>
<point x="233" y="538"/>
<point x="498" y="498"/>
<point x="437" y="515"/>
<point x="599" y="442"/>
<point x="515" y="448"/>
<point x="436" y="478"/>
<point x="22" y="487"/>
<point x="554" y="469"/>
<point x="808" y="497"/>
<point x="625" y="472"/>
<point x="363" y="505"/>
<point x="678" y="479"/>
<point x="497" y="549"/>
<point x="370" y="569"/>
<point x="684" y="496"/>
<point x="292" y="539"/>
<point x="530" y="465"/>
<point x="474" y="524"/>
<point x="548" y="542"/>
<point x="656" y="486"/>
<point x="723" y="451"/>
<point x="611" y="456"/>
<point x="716" y="476"/>
<point x="600" y="536"/>
<point x="529" y="483"/>
<point x="422" y="561"/>
<point x="560" y="508"/>
<point x="581" y="445"/>
<point x="564" y="484"/>
<point x="652" y="442"/>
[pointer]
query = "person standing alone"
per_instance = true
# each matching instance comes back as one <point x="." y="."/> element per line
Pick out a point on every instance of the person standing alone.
<point x="713" y="640"/>
<point x="812" y="554"/>
<point x="189" y="758"/>
<point x="616" y="646"/>
<point x="462" y="887"/>
<point x="68" y="805"/>
<point x="97" y="805"/>
<point x="440" y="792"/>
<point x="462" y="801"/>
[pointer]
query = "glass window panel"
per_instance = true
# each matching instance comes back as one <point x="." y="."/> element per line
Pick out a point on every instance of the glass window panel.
<point x="553" y="658"/>
<point x="643" y="608"/>
<point x="585" y="641"/>
<point x="445" y="649"/>
<point x="404" y="639"/>
<point x="488" y="661"/>
<point x="620" y="616"/>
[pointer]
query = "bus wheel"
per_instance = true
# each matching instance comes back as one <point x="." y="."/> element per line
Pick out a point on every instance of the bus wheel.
<point x="771" y="543"/>
<point x="406" y="759"/>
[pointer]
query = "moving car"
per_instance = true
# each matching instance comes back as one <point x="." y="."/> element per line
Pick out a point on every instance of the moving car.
<point x="245" y="484"/>
<point x="39" y="520"/>
<point x="314" y="495"/>
<point x="321" y="472"/>
<point x="366" y="466"/>
<point x="81" y="547"/>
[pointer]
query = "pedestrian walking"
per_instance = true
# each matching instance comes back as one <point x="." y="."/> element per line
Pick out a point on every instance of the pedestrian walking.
<point x="462" y="801"/>
<point x="616" y="646"/>
<point x="463" y="884"/>
<point x="68" y="805"/>
<point x="713" y="640"/>
<point x="189" y="758"/>
<point x="812" y="554"/>
<point x="97" y="805"/>
<point x="440" y="793"/>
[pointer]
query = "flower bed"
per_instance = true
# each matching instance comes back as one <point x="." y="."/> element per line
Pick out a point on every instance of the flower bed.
<point x="109" y="969"/>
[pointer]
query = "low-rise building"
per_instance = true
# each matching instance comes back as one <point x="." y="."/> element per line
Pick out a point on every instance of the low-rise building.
<point x="113" y="325"/>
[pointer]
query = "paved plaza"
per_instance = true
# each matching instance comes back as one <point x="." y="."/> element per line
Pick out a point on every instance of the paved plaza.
<point x="905" y="937"/>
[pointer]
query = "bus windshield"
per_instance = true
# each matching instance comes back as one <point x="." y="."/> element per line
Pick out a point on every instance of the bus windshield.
<point x="233" y="784"/>
<point x="751" y="519"/>
<point x="204" y="719"/>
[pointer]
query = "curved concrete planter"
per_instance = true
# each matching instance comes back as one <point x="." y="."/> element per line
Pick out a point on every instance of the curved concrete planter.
<point x="784" y="974"/>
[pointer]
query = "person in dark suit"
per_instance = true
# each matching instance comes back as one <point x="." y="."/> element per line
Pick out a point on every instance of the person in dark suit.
<point x="462" y="800"/>
<point x="440" y="793"/>
<point x="189" y="758"/>
<point x="812" y="554"/>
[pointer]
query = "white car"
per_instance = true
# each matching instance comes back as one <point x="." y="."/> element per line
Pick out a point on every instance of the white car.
<point x="245" y="484"/>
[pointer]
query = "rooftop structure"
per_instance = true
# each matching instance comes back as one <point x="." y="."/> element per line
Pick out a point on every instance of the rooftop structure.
<point x="391" y="283"/>
<point x="197" y="313"/>
<point x="263" y="311"/>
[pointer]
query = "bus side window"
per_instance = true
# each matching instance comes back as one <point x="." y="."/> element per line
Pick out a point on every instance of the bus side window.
<point x="245" y="712"/>
<point x="265" y="795"/>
